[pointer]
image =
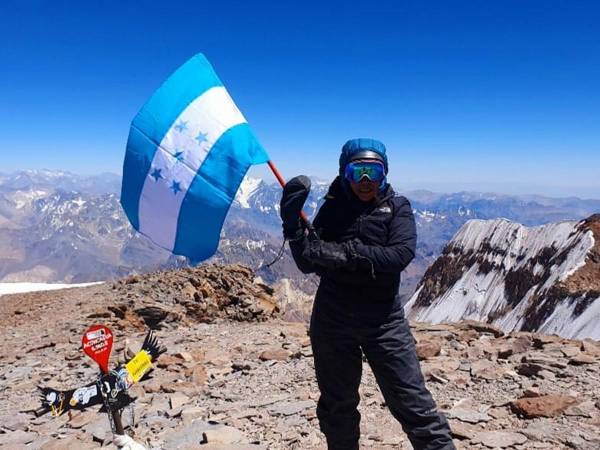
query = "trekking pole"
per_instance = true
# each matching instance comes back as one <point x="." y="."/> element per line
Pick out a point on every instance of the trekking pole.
<point x="281" y="180"/>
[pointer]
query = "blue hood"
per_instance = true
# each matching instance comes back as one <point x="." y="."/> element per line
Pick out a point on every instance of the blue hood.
<point x="354" y="146"/>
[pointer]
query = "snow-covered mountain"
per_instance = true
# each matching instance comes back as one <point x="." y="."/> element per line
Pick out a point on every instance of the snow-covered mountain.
<point x="56" y="226"/>
<point x="72" y="237"/>
<point x="544" y="278"/>
<point x="69" y="233"/>
<point x="262" y="199"/>
<point x="25" y="180"/>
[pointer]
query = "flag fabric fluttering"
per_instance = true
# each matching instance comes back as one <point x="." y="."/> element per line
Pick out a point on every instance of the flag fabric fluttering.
<point x="189" y="149"/>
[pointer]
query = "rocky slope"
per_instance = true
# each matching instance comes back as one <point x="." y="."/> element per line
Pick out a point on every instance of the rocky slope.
<point x="543" y="278"/>
<point x="238" y="377"/>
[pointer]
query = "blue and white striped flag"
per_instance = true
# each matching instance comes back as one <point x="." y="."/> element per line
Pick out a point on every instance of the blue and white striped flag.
<point x="188" y="150"/>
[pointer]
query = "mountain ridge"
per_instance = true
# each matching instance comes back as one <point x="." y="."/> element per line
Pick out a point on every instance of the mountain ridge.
<point x="541" y="278"/>
<point x="62" y="227"/>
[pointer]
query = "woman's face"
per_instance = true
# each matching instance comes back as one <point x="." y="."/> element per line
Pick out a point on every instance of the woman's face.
<point x="365" y="190"/>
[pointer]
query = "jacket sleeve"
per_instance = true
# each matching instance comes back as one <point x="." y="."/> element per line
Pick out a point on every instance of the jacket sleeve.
<point x="401" y="244"/>
<point x="297" y="247"/>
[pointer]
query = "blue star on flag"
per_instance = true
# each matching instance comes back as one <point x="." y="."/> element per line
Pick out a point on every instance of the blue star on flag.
<point x="178" y="155"/>
<point x="201" y="137"/>
<point x="176" y="187"/>
<point x="156" y="174"/>
<point x="181" y="125"/>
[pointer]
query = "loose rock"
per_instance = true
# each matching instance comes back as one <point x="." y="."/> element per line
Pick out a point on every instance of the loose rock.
<point x="544" y="406"/>
<point x="499" y="439"/>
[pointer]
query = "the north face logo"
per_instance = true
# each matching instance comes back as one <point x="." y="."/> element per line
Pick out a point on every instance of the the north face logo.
<point x="384" y="209"/>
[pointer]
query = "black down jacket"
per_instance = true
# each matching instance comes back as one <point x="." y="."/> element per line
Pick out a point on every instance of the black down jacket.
<point x="385" y="238"/>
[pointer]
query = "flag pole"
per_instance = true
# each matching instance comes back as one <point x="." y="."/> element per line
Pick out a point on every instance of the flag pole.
<point x="282" y="183"/>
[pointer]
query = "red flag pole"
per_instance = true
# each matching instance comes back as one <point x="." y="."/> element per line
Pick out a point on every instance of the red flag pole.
<point x="282" y="183"/>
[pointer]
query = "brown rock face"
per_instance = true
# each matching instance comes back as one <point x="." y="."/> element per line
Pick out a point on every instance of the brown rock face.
<point x="581" y="360"/>
<point x="515" y="346"/>
<point x="485" y="369"/>
<point x="529" y="369"/>
<point x="586" y="278"/>
<point x="590" y="347"/>
<point x="544" y="406"/>
<point x="276" y="354"/>
<point x="482" y="327"/>
<point x="499" y="439"/>
<point x="198" y="375"/>
<point x="428" y="349"/>
<point x="201" y="294"/>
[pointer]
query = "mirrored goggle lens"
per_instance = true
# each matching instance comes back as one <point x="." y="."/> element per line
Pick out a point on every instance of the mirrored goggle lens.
<point x="372" y="170"/>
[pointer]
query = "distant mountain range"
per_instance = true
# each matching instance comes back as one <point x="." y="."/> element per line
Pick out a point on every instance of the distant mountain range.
<point x="544" y="278"/>
<point x="60" y="227"/>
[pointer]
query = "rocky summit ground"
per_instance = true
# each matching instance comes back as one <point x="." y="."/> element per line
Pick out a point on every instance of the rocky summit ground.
<point x="236" y="376"/>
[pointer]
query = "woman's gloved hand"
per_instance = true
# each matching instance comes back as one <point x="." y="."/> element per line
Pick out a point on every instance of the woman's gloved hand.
<point x="331" y="255"/>
<point x="294" y="195"/>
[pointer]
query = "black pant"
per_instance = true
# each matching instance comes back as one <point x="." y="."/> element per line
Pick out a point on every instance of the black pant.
<point x="338" y="343"/>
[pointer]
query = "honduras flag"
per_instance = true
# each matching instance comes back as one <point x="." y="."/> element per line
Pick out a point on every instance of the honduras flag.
<point x="188" y="150"/>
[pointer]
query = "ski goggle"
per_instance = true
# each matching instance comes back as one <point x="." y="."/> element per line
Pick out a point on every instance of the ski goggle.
<point x="357" y="170"/>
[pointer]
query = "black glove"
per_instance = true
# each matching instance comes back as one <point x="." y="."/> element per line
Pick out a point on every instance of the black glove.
<point x="331" y="255"/>
<point x="294" y="195"/>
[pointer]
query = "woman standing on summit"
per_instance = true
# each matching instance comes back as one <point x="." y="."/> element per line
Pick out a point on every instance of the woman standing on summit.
<point x="365" y="236"/>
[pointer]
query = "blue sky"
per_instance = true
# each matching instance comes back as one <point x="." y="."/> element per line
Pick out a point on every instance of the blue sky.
<point x="497" y="95"/>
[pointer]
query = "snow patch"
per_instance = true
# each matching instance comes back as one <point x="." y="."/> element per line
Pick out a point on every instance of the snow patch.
<point x="563" y="322"/>
<point x="248" y="187"/>
<point x="255" y="245"/>
<point x="25" y="198"/>
<point x="427" y="215"/>
<point x="19" y="288"/>
<point x="463" y="211"/>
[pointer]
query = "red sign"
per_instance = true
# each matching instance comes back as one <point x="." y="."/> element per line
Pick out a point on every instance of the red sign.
<point x="97" y="344"/>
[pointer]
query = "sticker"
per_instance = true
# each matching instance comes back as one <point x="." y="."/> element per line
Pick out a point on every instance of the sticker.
<point x="96" y="334"/>
<point x="58" y="410"/>
<point x="83" y="395"/>
<point x="139" y="366"/>
<point x="51" y="397"/>
<point x="124" y="379"/>
<point x="97" y="344"/>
